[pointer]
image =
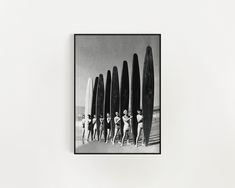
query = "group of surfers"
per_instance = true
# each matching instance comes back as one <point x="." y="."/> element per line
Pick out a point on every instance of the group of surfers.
<point x="94" y="132"/>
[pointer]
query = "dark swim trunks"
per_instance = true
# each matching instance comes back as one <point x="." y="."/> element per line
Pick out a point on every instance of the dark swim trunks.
<point x="108" y="125"/>
<point x="140" y="121"/>
<point x="118" y="126"/>
<point x="90" y="126"/>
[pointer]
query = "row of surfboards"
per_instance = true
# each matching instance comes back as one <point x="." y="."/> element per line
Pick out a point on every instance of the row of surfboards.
<point x="112" y="98"/>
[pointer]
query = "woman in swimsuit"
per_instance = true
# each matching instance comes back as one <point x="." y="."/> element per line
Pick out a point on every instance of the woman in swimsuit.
<point x="126" y="128"/>
<point x="89" y="126"/>
<point x="101" y="126"/>
<point x="94" y="127"/>
<point x="108" y="127"/>
<point x="140" y="127"/>
<point x="117" y="122"/>
<point x="83" y="128"/>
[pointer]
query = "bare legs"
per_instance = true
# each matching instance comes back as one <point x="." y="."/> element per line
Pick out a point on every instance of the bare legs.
<point x="88" y="136"/>
<point x="101" y="132"/>
<point x="83" y="135"/>
<point x="124" y="135"/>
<point x="115" y="134"/>
<point x="108" y="135"/>
<point x="95" y="132"/>
<point x="140" y="130"/>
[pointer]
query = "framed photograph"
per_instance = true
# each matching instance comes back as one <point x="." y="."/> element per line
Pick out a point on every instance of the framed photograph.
<point x="117" y="94"/>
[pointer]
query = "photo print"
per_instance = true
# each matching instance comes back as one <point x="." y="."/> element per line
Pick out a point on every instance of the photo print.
<point x="117" y="99"/>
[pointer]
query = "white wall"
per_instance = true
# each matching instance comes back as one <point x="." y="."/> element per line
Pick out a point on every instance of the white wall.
<point x="36" y="96"/>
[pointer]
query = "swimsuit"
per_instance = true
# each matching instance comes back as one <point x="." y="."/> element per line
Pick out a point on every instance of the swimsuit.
<point x="140" y="120"/>
<point x="126" y="124"/>
<point x="108" y="124"/>
<point x="101" y="125"/>
<point x="89" y="125"/>
<point x="118" y="124"/>
<point x="83" y="123"/>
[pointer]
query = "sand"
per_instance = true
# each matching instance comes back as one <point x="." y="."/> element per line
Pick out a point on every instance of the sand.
<point x="102" y="147"/>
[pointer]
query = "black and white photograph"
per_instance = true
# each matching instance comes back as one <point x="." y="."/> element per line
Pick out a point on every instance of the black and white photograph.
<point x="117" y="94"/>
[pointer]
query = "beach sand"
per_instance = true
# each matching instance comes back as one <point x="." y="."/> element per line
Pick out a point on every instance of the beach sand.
<point x="101" y="147"/>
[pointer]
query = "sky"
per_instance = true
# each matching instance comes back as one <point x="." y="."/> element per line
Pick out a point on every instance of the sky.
<point x="95" y="54"/>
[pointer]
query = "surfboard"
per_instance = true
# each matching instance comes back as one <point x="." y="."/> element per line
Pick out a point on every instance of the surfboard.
<point x="114" y="98"/>
<point x="94" y="97"/>
<point x="93" y="102"/>
<point x="99" y="100"/>
<point x="107" y="102"/>
<point x="135" y="94"/>
<point x="124" y="98"/>
<point x="88" y="101"/>
<point x="148" y="93"/>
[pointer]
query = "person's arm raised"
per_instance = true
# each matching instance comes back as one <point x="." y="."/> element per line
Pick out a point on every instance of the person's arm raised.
<point x="130" y="117"/>
<point x="119" y="119"/>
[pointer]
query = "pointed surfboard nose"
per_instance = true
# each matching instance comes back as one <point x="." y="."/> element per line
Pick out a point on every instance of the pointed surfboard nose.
<point x="108" y="73"/>
<point x="135" y="64"/>
<point x="100" y="75"/>
<point x="115" y="68"/>
<point x="149" y="50"/>
<point x="96" y="79"/>
<point x="125" y="72"/>
<point x="124" y="63"/>
<point x="135" y="57"/>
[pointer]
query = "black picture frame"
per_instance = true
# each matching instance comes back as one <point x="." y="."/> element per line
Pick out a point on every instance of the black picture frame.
<point x="126" y="34"/>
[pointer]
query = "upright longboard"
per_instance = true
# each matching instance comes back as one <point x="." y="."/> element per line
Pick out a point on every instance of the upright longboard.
<point x="148" y="93"/>
<point x="124" y="98"/>
<point x="93" y="106"/>
<point x="135" y="94"/>
<point x="114" y="98"/>
<point x="99" y="100"/>
<point x="107" y="102"/>
<point x="88" y="101"/>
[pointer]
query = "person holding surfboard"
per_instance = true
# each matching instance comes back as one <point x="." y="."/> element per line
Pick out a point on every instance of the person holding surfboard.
<point x="108" y="126"/>
<point x="117" y="122"/>
<point x="83" y="128"/>
<point x="126" y="128"/>
<point x="89" y="127"/>
<point x="87" y="124"/>
<point x="101" y="126"/>
<point x="139" y="118"/>
<point x="94" y="127"/>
